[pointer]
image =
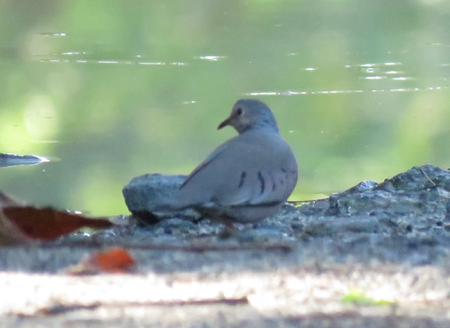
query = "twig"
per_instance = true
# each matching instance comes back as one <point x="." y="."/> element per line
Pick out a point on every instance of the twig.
<point x="434" y="184"/>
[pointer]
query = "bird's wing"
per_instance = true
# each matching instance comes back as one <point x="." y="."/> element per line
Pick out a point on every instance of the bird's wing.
<point x="242" y="172"/>
<point x="216" y="153"/>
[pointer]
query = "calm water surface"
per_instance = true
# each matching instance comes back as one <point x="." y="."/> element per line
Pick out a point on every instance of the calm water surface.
<point x="108" y="90"/>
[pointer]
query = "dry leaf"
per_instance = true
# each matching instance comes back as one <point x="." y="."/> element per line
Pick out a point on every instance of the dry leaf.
<point x="21" y="224"/>
<point x="115" y="260"/>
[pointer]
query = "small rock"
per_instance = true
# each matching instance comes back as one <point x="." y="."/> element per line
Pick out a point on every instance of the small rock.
<point x="418" y="178"/>
<point x="145" y="193"/>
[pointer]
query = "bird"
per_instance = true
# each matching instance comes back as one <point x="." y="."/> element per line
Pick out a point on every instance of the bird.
<point x="247" y="178"/>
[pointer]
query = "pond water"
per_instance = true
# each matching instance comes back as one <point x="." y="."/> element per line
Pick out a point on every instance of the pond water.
<point x="108" y="90"/>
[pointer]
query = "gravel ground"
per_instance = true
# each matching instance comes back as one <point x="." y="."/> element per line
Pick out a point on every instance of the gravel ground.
<point x="376" y="255"/>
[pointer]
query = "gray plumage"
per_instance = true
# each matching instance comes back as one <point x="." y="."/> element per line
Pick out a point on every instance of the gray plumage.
<point x="247" y="178"/>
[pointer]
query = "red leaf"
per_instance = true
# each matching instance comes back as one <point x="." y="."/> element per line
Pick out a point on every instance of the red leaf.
<point x="47" y="223"/>
<point x="115" y="260"/>
<point x="24" y="224"/>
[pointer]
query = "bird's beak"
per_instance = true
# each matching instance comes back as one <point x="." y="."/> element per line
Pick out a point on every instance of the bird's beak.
<point x="224" y="123"/>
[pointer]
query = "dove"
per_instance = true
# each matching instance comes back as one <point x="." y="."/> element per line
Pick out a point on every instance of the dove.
<point x="247" y="178"/>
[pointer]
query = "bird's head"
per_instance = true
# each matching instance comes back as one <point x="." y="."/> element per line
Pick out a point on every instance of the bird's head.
<point x="250" y="114"/>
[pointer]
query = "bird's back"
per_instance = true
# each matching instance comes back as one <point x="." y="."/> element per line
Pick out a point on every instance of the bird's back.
<point x="255" y="168"/>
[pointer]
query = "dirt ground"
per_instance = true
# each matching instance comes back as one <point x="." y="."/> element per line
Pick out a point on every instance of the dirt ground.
<point x="376" y="255"/>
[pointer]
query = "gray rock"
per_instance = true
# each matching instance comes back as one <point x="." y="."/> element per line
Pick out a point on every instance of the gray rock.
<point x="418" y="178"/>
<point x="145" y="193"/>
<point x="423" y="189"/>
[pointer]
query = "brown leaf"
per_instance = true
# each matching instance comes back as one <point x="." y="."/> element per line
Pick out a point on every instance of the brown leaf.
<point x="115" y="260"/>
<point x="26" y="224"/>
<point x="49" y="224"/>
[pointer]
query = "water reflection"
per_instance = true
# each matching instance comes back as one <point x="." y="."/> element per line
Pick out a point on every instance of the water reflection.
<point x="359" y="88"/>
<point x="324" y="92"/>
<point x="123" y="62"/>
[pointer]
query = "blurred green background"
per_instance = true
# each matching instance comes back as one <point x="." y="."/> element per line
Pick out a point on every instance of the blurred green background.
<point x="109" y="90"/>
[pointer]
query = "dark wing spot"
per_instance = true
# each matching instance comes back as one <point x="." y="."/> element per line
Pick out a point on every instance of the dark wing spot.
<point x="261" y="180"/>
<point x="285" y="176"/>
<point x="241" y="182"/>
<point x="274" y="186"/>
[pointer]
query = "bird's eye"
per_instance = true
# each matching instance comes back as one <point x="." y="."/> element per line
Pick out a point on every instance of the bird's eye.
<point x="239" y="111"/>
